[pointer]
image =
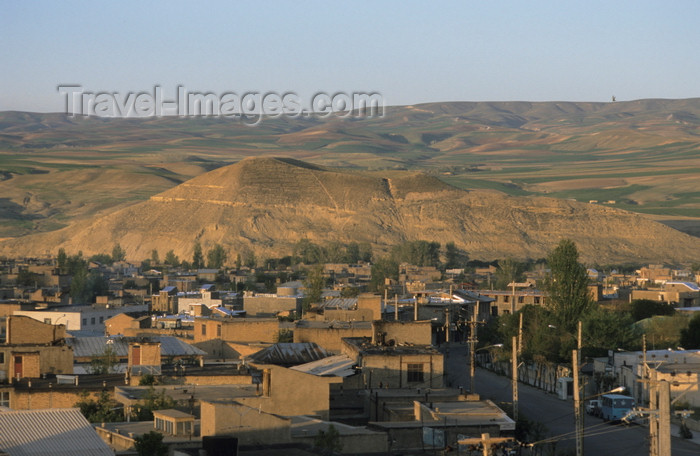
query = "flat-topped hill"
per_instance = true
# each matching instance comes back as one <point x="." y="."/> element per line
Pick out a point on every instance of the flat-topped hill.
<point x="266" y="205"/>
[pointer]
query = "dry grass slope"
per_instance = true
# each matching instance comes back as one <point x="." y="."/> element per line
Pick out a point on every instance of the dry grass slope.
<point x="266" y="205"/>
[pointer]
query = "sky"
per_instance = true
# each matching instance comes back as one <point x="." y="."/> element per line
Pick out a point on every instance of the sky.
<point x="409" y="52"/>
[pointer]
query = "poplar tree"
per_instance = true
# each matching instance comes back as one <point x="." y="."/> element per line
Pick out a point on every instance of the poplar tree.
<point x="567" y="284"/>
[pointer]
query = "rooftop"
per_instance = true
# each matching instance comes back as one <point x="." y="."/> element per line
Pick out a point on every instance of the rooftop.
<point x="55" y="432"/>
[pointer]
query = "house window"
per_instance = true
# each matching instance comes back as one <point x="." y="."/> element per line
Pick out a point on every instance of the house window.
<point x="506" y="299"/>
<point x="521" y="299"/>
<point x="204" y="329"/>
<point x="92" y="321"/>
<point x="84" y="321"/>
<point x="102" y="319"/>
<point x="2" y="358"/>
<point x="537" y="299"/>
<point x="415" y="372"/>
<point x="218" y="330"/>
<point x="5" y="399"/>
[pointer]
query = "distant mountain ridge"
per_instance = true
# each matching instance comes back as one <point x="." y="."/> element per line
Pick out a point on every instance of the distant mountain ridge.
<point x="265" y="205"/>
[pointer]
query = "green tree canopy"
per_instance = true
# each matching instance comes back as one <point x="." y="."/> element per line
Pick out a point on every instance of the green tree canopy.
<point x="690" y="336"/>
<point x="509" y="270"/>
<point x="646" y="308"/>
<point x="314" y="283"/>
<point x="216" y="257"/>
<point x="104" y="409"/>
<point x="419" y="253"/>
<point x="118" y="254"/>
<point x="382" y="269"/>
<point x="150" y="444"/>
<point x="197" y="256"/>
<point x="567" y="285"/>
<point x="171" y="259"/>
<point x="155" y="258"/>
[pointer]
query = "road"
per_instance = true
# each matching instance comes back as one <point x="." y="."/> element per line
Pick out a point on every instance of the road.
<point x="600" y="438"/>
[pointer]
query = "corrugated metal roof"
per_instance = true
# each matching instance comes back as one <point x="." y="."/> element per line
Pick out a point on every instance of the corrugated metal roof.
<point x="339" y="303"/>
<point x="289" y="354"/>
<point x="335" y="366"/>
<point x="51" y="432"/>
<point x="95" y="346"/>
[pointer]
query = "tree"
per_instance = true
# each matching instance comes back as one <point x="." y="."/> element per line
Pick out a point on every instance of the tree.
<point x="197" y="257"/>
<point x="419" y="253"/>
<point x="104" y="364"/>
<point x="454" y="258"/>
<point x="104" y="409"/>
<point x="307" y="252"/>
<point x="249" y="260"/>
<point x="328" y="441"/>
<point x="62" y="260"/>
<point x="153" y="400"/>
<point x="606" y="329"/>
<point x="171" y="259"/>
<point x="567" y="286"/>
<point x="216" y="257"/>
<point x="155" y="258"/>
<point x="314" y="284"/>
<point x="509" y="270"/>
<point x="150" y="444"/>
<point x="646" y="308"/>
<point x="690" y="336"/>
<point x="382" y="269"/>
<point x="118" y="254"/>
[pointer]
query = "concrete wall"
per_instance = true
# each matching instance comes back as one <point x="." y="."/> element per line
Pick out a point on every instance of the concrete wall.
<point x="293" y="393"/>
<point x="36" y="360"/>
<point x="392" y="370"/>
<point x="236" y="330"/>
<point x="250" y="425"/>
<point x="26" y="330"/>
<point x="120" y="324"/>
<point x="144" y="354"/>
<point x="401" y="332"/>
<point x="348" y="315"/>
<point x="329" y="338"/>
<point x="34" y="399"/>
<point x="372" y="302"/>
<point x="269" y="305"/>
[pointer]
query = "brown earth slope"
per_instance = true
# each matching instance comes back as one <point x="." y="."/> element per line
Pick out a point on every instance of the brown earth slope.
<point x="265" y="205"/>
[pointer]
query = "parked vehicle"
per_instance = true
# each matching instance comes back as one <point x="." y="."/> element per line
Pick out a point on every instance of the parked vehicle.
<point x="615" y="406"/>
<point x="593" y="407"/>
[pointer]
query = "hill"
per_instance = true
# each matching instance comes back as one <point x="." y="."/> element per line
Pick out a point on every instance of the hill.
<point x="642" y="156"/>
<point x="265" y="205"/>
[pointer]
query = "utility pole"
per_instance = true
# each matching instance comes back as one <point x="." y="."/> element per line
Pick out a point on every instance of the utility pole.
<point x="664" y="436"/>
<point x="650" y="378"/>
<point x="577" y="405"/>
<point x="472" y="351"/>
<point x="396" y="307"/>
<point x="515" y="379"/>
<point x="447" y="325"/>
<point x="653" y="416"/>
<point x="415" y="307"/>
<point x="520" y="335"/>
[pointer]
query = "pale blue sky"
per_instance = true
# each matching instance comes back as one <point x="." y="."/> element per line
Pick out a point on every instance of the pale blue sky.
<point x="410" y="52"/>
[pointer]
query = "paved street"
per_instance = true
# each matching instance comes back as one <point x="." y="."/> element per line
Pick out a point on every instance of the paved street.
<point x="600" y="438"/>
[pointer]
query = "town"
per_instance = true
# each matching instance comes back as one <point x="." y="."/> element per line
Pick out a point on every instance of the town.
<point x="400" y="354"/>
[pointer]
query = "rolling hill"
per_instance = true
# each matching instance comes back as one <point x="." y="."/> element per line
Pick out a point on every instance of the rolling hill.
<point x="265" y="205"/>
<point x="641" y="156"/>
